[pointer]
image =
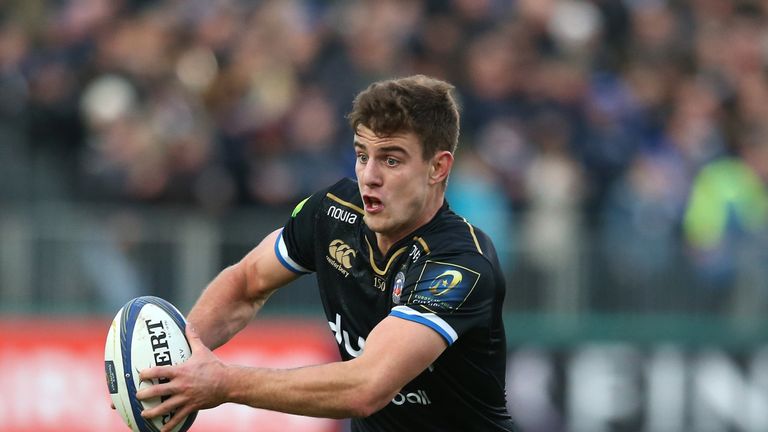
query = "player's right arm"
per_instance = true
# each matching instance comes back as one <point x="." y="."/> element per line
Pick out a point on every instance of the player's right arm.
<point x="233" y="297"/>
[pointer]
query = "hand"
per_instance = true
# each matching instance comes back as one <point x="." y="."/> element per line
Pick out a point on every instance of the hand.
<point x="195" y="384"/>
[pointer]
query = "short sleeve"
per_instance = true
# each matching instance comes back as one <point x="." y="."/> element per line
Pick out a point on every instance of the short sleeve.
<point x="450" y="296"/>
<point x="295" y="244"/>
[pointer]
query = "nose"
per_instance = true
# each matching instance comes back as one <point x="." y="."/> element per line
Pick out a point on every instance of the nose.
<point x="370" y="174"/>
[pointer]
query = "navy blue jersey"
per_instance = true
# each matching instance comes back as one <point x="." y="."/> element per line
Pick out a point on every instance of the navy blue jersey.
<point x="445" y="275"/>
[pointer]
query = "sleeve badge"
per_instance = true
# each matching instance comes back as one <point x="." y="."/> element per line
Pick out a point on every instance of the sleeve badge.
<point x="443" y="286"/>
<point x="397" y="289"/>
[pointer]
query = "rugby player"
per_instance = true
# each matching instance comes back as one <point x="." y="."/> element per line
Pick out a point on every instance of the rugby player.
<point x="413" y="292"/>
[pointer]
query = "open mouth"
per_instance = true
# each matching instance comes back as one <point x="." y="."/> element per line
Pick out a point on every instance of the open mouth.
<point x="372" y="204"/>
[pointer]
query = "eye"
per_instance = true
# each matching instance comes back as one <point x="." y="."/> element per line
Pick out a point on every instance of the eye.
<point x="362" y="158"/>
<point x="392" y="162"/>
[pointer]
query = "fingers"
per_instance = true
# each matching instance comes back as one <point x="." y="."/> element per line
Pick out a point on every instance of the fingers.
<point x="157" y="372"/>
<point x="174" y="403"/>
<point x="167" y="406"/>
<point x="154" y="391"/>
<point x="163" y="387"/>
<point x="180" y="415"/>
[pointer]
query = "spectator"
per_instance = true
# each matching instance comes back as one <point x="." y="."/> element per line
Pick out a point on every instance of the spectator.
<point x="204" y="103"/>
<point x="726" y="227"/>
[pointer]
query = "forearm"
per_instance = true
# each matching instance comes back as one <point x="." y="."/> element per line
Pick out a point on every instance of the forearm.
<point x="231" y="300"/>
<point x="354" y="388"/>
<point x="334" y="390"/>
<point x="223" y="309"/>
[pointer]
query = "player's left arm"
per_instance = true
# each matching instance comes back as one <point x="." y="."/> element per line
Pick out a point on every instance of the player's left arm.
<point x="355" y="388"/>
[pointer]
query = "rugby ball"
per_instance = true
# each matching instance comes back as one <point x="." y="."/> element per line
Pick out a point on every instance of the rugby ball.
<point x="148" y="331"/>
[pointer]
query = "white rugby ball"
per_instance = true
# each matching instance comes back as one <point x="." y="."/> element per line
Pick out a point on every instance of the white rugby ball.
<point x="148" y="331"/>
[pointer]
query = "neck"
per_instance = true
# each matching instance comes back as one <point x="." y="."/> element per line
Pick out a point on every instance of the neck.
<point x="386" y="240"/>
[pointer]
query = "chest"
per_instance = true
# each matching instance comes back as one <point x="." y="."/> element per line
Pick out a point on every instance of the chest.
<point x="355" y="280"/>
<point x="351" y="271"/>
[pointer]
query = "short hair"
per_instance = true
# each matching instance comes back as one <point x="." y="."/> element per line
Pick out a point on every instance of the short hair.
<point x="419" y="104"/>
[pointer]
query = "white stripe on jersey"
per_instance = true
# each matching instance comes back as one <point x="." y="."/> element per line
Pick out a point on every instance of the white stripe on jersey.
<point x="282" y="254"/>
<point x="432" y="318"/>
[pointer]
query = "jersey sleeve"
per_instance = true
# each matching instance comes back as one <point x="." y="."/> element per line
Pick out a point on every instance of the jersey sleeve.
<point x="450" y="296"/>
<point x="295" y="245"/>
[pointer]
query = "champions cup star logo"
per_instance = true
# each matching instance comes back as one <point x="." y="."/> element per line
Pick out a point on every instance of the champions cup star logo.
<point x="445" y="282"/>
<point x="443" y="287"/>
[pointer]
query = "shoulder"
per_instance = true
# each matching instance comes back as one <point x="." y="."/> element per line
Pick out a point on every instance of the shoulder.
<point x="451" y="235"/>
<point x="341" y="195"/>
<point x="454" y="273"/>
<point x="452" y="242"/>
<point x="345" y="195"/>
<point x="340" y="202"/>
<point x="317" y="217"/>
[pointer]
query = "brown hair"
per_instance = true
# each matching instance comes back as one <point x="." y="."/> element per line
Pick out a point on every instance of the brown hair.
<point x="418" y="104"/>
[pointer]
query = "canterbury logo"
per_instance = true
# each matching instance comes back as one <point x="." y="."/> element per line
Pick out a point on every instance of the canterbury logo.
<point x="342" y="253"/>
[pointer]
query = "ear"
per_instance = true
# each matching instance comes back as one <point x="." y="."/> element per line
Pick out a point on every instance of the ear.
<point x="440" y="167"/>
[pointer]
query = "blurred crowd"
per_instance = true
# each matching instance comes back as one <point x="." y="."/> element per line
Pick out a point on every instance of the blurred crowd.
<point x="644" y="122"/>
